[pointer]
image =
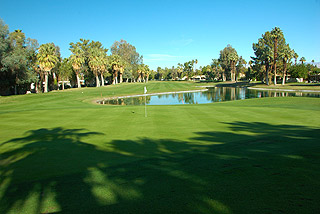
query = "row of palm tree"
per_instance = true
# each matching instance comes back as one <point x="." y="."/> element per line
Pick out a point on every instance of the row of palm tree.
<point x="92" y="54"/>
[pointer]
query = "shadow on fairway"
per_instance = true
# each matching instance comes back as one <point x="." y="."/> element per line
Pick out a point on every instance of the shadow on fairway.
<point x="256" y="168"/>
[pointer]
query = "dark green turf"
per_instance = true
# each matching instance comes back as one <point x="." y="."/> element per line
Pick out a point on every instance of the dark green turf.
<point x="59" y="153"/>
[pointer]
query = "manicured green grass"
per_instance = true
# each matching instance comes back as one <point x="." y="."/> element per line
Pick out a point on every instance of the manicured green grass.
<point x="60" y="153"/>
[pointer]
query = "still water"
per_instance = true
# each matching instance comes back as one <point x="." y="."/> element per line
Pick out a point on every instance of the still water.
<point x="218" y="94"/>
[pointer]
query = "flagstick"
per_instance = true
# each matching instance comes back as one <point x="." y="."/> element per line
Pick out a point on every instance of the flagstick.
<point x="145" y="106"/>
<point x="145" y="101"/>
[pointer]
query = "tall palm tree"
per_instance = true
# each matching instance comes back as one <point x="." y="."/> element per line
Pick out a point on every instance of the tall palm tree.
<point x="233" y="58"/>
<point x="47" y="60"/>
<point x="103" y="62"/>
<point x="94" y="63"/>
<point x="77" y="59"/>
<point x="276" y="34"/>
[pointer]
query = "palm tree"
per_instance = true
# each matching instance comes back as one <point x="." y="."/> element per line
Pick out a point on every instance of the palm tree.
<point x="47" y="60"/>
<point x="65" y="71"/>
<point x="286" y="54"/>
<point x="121" y="70"/>
<point x="180" y="69"/>
<point x="295" y="56"/>
<point x="276" y="34"/>
<point x="94" y="64"/>
<point x="139" y="71"/>
<point x="302" y="60"/>
<point x="196" y="62"/>
<point x="103" y="62"/>
<point x="147" y="71"/>
<point x="77" y="59"/>
<point x="115" y="65"/>
<point x="233" y="58"/>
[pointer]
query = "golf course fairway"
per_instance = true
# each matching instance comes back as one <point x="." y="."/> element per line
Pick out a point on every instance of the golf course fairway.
<point x="62" y="153"/>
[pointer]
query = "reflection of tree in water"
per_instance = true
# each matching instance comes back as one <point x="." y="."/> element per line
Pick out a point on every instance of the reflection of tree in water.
<point x="189" y="98"/>
<point x="217" y="94"/>
<point x="186" y="98"/>
<point x="140" y="100"/>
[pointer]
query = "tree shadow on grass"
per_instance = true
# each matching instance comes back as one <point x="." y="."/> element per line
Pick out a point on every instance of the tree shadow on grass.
<point x="251" y="168"/>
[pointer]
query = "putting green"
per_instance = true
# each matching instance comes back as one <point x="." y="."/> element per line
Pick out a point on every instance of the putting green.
<point x="60" y="153"/>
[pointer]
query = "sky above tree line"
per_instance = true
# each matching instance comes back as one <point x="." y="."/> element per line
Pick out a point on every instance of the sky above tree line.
<point x="168" y="32"/>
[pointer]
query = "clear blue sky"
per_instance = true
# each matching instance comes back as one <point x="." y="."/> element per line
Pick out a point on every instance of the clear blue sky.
<point x="168" y="32"/>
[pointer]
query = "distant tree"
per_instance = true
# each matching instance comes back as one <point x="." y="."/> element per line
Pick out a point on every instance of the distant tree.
<point x="188" y="68"/>
<point x="217" y="71"/>
<point x="295" y="56"/>
<point x="128" y="54"/>
<point x="127" y="74"/>
<point x="179" y="70"/>
<point x="302" y="60"/>
<point x="97" y="61"/>
<point x="240" y="68"/>
<point x="47" y="59"/>
<point x="116" y="63"/>
<point x="121" y="71"/>
<point x="14" y="59"/>
<point x="278" y="38"/>
<point x="77" y="58"/>
<point x="286" y="54"/>
<point x="228" y="59"/>
<point x="207" y="71"/>
<point x="263" y="51"/>
<point x="299" y="71"/>
<point x="147" y="72"/>
<point x="19" y="60"/>
<point x="65" y="71"/>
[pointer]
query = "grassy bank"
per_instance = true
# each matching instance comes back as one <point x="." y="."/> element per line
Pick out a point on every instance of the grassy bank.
<point x="291" y="86"/>
<point x="59" y="153"/>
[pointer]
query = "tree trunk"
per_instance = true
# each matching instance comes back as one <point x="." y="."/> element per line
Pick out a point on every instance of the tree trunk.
<point x="97" y="81"/>
<point x="78" y="80"/>
<point x="121" y="80"/>
<point x="46" y="82"/>
<point x="102" y="79"/>
<point x="62" y="82"/>
<point x="275" y="74"/>
<point x="234" y="72"/>
<point x="15" y="85"/>
<point x="139" y="78"/>
<point x="36" y="87"/>
<point x="284" y="73"/>
<point x="267" y="73"/>
<point x="116" y="77"/>
<point x="275" y="60"/>
<point x="147" y="77"/>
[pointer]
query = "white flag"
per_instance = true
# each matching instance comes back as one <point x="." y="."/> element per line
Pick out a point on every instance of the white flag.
<point x="145" y="89"/>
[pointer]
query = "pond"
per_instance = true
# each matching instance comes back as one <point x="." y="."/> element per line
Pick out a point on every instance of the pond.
<point x="218" y="94"/>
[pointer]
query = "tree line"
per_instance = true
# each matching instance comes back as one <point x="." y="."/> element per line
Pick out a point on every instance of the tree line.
<point x="273" y="61"/>
<point x="23" y="61"/>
